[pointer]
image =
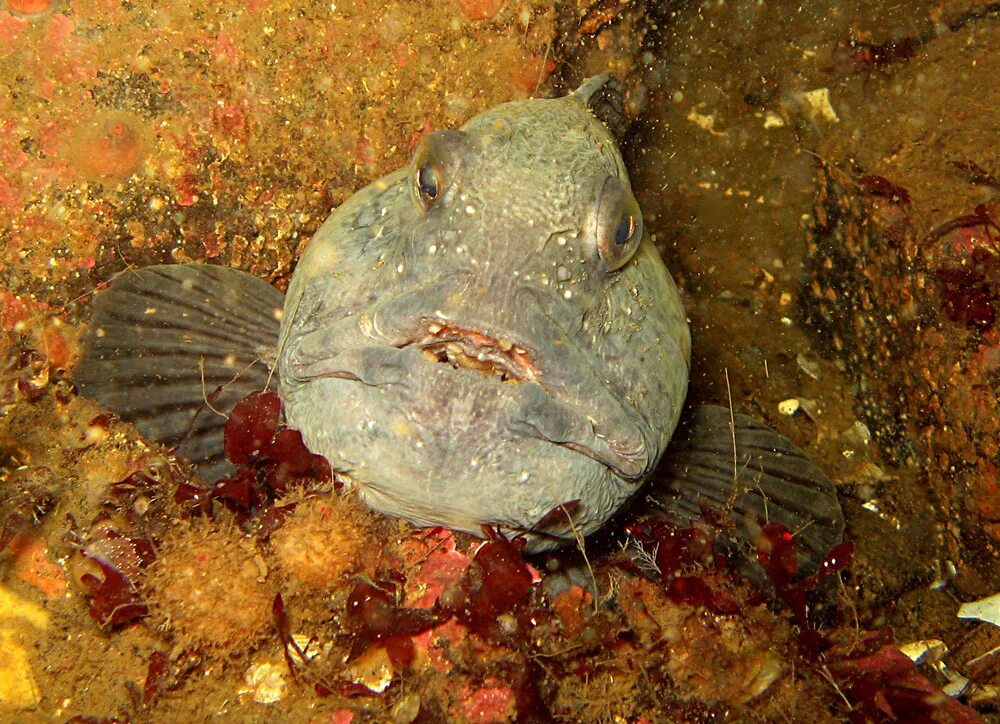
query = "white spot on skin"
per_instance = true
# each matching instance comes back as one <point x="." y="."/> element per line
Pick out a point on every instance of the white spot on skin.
<point x="432" y="249"/>
<point x="399" y="268"/>
<point x="524" y="477"/>
<point x="561" y="240"/>
<point x="562" y="274"/>
<point x="568" y="294"/>
<point x="470" y="210"/>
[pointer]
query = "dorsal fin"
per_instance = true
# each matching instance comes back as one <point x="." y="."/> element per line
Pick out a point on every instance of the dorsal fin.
<point x="605" y="98"/>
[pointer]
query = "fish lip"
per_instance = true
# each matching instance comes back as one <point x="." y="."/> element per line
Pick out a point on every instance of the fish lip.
<point x="518" y="362"/>
<point x="475" y="349"/>
<point x="561" y="397"/>
<point x="535" y="408"/>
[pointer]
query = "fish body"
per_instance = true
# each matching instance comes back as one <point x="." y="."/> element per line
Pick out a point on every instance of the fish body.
<point x="508" y="346"/>
<point x="485" y="337"/>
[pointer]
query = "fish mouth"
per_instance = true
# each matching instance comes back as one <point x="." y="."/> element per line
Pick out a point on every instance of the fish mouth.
<point x="550" y="393"/>
<point x="463" y="348"/>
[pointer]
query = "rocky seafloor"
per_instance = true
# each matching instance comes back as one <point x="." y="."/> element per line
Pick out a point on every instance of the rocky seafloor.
<point x="821" y="180"/>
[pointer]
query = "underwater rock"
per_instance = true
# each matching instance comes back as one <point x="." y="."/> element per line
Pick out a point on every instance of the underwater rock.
<point x="903" y="283"/>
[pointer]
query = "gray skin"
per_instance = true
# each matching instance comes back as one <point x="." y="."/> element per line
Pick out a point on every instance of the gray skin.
<point x="513" y="251"/>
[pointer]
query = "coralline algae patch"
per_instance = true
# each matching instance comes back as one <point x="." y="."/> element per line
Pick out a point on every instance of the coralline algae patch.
<point x="29" y="7"/>
<point x="138" y="133"/>
<point x="108" y="148"/>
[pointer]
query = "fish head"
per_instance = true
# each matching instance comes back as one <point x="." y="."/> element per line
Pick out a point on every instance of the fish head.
<point x="487" y="337"/>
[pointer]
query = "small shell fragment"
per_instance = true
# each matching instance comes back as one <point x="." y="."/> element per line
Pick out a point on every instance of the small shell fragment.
<point x="265" y="681"/>
<point x="810" y="407"/>
<point x="809" y="366"/>
<point x="816" y="106"/>
<point x="773" y="120"/>
<point x="789" y="406"/>
<point x="985" y="609"/>
<point x="372" y="669"/>
<point x="925" y="650"/>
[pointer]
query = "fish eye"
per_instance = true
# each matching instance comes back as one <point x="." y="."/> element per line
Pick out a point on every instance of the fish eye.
<point x="626" y="228"/>
<point x="434" y="165"/>
<point x="619" y="223"/>
<point x="428" y="182"/>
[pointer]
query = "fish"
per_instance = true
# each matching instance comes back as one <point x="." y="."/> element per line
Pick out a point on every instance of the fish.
<point x="486" y="337"/>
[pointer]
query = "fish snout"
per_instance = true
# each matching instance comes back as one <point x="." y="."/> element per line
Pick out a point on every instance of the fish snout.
<point x="562" y="396"/>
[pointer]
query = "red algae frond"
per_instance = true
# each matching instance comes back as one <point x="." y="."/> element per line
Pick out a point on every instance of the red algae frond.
<point x="109" y="148"/>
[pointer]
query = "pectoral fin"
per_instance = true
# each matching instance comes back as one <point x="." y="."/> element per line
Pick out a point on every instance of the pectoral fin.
<point x="171" y="348"/>
<point x="769" y="479"/>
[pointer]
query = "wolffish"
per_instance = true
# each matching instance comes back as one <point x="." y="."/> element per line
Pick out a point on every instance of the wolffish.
<point x="484" y="337"/>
